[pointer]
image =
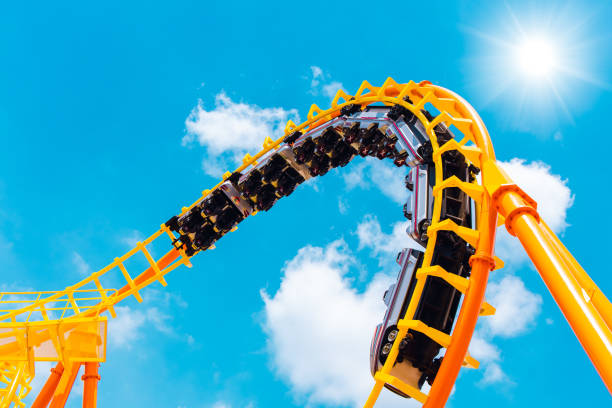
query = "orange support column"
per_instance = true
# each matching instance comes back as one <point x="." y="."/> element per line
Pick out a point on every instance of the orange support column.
<point x="45" y="395"/>
<point x="90" y="385"/>
<point x="596" y="296"/>
<point x="65" y="386"/>
<point x="522" y="221"/>
<point x="482" y="263"/>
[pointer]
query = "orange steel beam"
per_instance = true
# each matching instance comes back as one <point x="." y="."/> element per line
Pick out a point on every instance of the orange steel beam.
<point x="44" y="396"/>
<point x="584" y="319"/>
<point x="482" y="263"/>
<point x="65" y="386"/>
<point x="47" y="391"/>
<point x="90" y="385"/>
<point x="148" y="273"/>
<point x="596" y="296"/>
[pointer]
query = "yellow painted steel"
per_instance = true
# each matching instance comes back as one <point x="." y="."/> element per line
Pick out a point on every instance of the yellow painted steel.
<point x="30" y="319"/>
<point x="15" y="384"/>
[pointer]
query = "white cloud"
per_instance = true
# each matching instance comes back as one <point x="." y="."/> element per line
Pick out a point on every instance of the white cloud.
<point x="516" y="312"/>
<point x="489" y="357"/>
<point x="549" y="190"/>
<point x="320" y="327"/>
<point x="224" y="404"/>
<point x="130" y="323"/>
<point x="321" y="83"/>
<point x="331" y="89"/>
<point x="493" y="373"/>
<point x="370" y="235"/>
<point x="126" y="328"/>
<point x="131" y="238"/>
<point x="380" y="174"/>
<point x="232" y="129"/>
<point x="516" y="307"/>
<point x="482" y="350"/>
<point x="317" y="75"/>
<point x="80" y="264"/>
<point x="553" y="196"/>
<point x="342" y="206"/>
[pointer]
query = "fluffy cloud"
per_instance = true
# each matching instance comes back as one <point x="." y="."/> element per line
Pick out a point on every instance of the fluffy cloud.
<point x="517" y="311"/>
<point x="126" y="327"/>
<point x="223" y="404"/>
<point x="342" y="206"/>
<point x="552" y="194"/>
<point x="321" y="83"/>
<point x="489" y="357"/>
<point x="80" y="264"/>
<point x="130" y="323"/>
<point x="131" y="238"/>
<point x="549" y="190"/>
<point x="232" y="129"/>
<point x="331" y="89"/>
<point x="482" y="350"/>
<point x="371" y="172"/>
<point x="493" y="374"/>
<point x="370" y="235"/>
<point x="320" y="327"/>
<point x="317" y="75"/>
<point x="516" y="307"/>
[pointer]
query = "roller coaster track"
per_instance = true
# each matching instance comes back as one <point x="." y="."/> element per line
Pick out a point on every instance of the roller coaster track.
<point x="69" y="326"/>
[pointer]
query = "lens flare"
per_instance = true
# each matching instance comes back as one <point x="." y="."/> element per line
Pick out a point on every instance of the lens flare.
<point x="539" y="66"/>
<point x="536" y="57"/>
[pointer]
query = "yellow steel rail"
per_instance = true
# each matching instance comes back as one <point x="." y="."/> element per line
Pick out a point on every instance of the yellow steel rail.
<point x="83" y="303"/>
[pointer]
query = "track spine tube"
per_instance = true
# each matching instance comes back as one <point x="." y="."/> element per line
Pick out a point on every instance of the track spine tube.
<point x="468" y="316"/>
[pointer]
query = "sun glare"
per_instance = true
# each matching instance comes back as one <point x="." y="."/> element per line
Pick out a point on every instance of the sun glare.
<point x="539" y="66"/>
<point x="536" y="57"/>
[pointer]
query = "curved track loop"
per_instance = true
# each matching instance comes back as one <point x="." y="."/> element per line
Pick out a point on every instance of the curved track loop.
<point x="70" y="322"/>
<point x="28" y="333"/>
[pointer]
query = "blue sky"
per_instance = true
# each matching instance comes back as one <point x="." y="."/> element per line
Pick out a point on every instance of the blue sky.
<point x="107" y="117"/>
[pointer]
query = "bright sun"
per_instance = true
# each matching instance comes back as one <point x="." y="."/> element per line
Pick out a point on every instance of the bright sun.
<point x="536" y="57"/>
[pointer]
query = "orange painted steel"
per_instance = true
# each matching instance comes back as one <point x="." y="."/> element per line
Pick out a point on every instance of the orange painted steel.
<point x="45" y="395"/>
<point x="596" y="296"/>
<point x="65" y="386"/>
<point x="586" y="322"/>
<point x="482" y="263"/>
<point x="587" y="310"/>
<point x="90" y="385"/>
<point x="164" y="262"/>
